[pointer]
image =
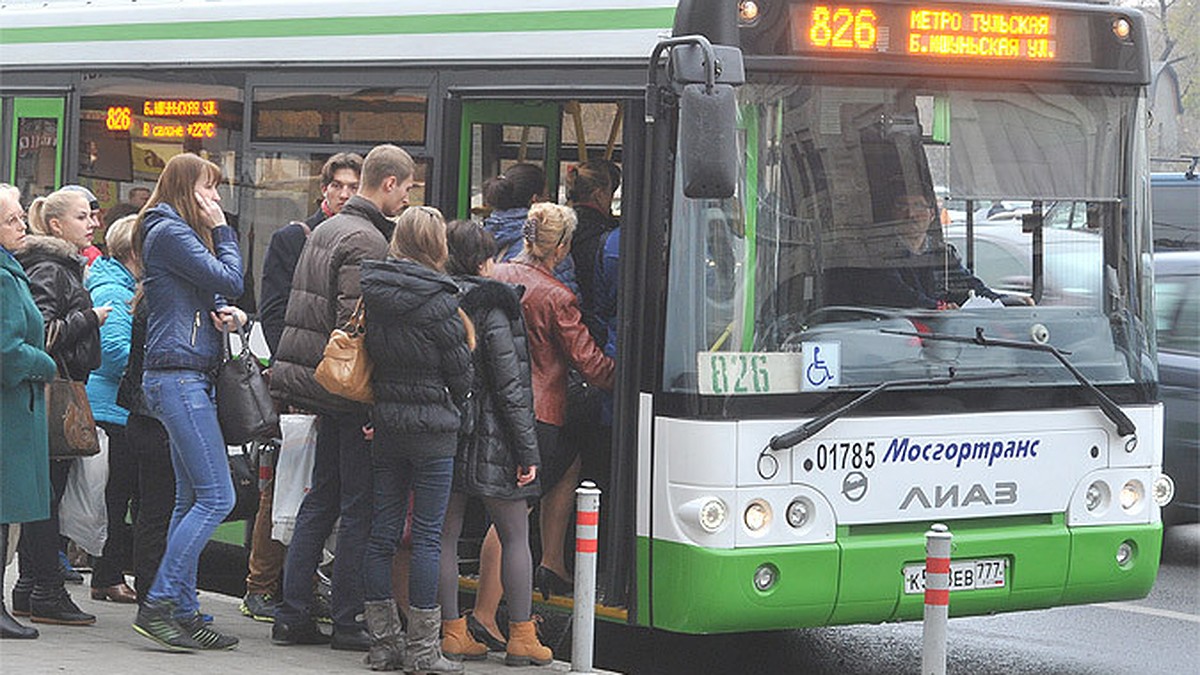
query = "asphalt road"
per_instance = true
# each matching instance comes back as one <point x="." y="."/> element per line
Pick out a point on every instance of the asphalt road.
<point x="1158" y="634"/>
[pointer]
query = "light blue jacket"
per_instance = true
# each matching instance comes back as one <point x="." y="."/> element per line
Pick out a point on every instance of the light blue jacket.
<point x="112" y="284"/>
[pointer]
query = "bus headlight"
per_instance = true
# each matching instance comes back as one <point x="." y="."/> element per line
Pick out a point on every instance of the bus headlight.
<point x="757" y="516"/>
<point x="1097" y="497"/>
<point x="1163" y="489"/>
<point x="798" y="512"/>
<point x="1131" y="495"/>
<point x="712" y="515"/>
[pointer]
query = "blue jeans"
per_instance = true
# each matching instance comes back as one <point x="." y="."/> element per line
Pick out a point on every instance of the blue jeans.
<point x="341" y="486"/>
<point x="184" y="402"/>
<point x="429" y="480"/>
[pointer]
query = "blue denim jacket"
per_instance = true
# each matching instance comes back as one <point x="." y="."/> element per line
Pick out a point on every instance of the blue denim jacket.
<point x="183" y="283"/>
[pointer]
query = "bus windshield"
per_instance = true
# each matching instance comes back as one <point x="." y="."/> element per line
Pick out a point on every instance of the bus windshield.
<point x="871" y="211"/>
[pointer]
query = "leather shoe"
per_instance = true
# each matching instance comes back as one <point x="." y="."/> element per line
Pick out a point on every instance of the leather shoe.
<point x="297" y="634"/>
<point x="120" y="593"/>
<point x="60" y="610"/>
<point x="549" y="583"/>
<point x="355" y="639"/>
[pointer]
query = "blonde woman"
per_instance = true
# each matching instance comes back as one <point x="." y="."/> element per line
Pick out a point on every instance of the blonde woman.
<point x="62" y="225"/>
<point x="112" y="281"/>
<point x="558" y="341"/>
<point x="24" y="455"/>
<point x="417" y="339"/>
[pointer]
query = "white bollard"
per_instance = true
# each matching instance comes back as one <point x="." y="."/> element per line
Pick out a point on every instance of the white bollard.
<point x="587" y="543"/>
<point x="937" y="599"/>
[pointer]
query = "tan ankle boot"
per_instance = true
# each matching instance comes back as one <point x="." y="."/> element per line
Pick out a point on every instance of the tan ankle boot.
<point x="459" y="644"/>
<point x="523" y="646"/>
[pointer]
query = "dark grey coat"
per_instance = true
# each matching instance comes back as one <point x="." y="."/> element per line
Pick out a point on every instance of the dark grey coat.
<point x="325" y="290"/>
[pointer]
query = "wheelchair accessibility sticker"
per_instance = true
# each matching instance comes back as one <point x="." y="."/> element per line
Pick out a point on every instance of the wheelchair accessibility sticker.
<point x="822" y="365"/>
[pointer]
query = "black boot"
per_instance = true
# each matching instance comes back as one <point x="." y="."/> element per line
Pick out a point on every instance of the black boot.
<point x="58" y="609"/>
<point x="9" y="628"/>
<point x="20" y="597"/>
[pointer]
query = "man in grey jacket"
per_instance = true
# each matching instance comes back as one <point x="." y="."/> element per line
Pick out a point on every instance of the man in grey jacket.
<point x="324" y="292"/>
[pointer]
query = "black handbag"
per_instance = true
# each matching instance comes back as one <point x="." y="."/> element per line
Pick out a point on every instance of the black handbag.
<point x="244" y="406"/>
<point x="245" y="486"/>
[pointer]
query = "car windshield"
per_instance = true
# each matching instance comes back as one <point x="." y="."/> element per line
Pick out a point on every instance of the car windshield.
<point x="867" y="213"/>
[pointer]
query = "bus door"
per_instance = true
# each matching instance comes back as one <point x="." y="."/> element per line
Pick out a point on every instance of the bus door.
<point x="497" y="134"/>
<point x="34" y="135"/>
<point x="556" y="134"/>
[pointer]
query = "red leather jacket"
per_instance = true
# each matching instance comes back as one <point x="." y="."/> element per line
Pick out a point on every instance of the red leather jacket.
<point x="557" y="339"/>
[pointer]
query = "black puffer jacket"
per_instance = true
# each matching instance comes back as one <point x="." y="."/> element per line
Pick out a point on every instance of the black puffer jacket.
<point x="503" y="435"/>
<point x="422" y="375"/>
<point x="55" y="271"/>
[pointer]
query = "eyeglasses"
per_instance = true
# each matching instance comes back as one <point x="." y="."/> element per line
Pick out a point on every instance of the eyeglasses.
<point x="15" y="219"/>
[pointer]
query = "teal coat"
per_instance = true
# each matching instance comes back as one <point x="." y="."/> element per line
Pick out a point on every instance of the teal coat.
<point x="24" y="368"/>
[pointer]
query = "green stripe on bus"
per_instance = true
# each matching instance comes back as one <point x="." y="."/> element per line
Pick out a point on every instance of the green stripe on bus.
<point x="490" y="22"/>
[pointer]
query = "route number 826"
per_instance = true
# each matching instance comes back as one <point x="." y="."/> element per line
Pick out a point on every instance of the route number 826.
<point x="835" y="456"/>
<point x="843" y="28"/>
<point x="740" y="374"/>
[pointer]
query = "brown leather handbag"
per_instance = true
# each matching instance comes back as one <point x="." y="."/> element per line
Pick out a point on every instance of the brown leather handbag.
<point x="345" y="369"/>
<point x="72" y="427"/>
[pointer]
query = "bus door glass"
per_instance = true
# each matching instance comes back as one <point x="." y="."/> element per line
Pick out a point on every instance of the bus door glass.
<point x="497" y="134"/>
<point x="36" y="160"/>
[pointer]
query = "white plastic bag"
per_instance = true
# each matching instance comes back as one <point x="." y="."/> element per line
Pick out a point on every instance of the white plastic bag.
<point x="14" y="535"/>
<point x="82" y="513"/>
<point x="293" y="472"/>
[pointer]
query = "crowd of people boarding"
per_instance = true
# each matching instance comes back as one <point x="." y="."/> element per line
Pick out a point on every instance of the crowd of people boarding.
<point x="476" y="331"/>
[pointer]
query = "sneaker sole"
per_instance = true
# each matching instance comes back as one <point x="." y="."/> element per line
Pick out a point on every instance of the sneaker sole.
<point x="175" y="648"/>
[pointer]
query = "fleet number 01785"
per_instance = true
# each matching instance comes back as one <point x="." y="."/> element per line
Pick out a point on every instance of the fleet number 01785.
<point x="841" y="456"/>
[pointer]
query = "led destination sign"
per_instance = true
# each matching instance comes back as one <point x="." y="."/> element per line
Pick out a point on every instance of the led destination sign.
<point x="121" y="118"/>
<point x="950" y="32"/>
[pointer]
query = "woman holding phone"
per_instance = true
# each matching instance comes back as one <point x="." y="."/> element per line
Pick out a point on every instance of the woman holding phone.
<point x="191" y="263"/>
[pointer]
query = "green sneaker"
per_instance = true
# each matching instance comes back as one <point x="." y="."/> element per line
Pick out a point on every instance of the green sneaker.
<point x="156" y="621"/>
<point x="259" y="606"/>
<point x="204" y="635"/>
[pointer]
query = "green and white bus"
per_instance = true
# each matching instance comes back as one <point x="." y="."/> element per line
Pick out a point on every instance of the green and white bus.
<point x="789" y="417"/>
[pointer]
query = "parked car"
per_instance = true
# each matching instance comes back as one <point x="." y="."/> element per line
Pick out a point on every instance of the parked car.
<point x="1175" y="207"/>
<point x="1073" y="261"/>
<point x="1177" y="319"/>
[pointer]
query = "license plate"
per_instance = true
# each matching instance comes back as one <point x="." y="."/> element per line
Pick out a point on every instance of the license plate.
<point x="965" y="575"/>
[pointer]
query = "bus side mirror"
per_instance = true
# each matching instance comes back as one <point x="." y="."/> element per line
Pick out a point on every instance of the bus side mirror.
<point x="708" y="151"/>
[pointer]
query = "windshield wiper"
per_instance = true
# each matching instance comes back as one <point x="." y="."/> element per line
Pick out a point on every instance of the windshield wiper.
<point x="1111" y="410"/>
<point x="810" y="428"/>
